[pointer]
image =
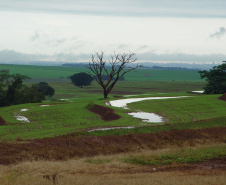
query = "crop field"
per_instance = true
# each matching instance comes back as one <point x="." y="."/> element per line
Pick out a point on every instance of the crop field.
<point x="55" y="142"/>
<point x="58" y="72"/>
<point x="68" y="111"/>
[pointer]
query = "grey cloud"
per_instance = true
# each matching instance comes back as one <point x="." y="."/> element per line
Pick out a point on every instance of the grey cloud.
<point x="40" y="38"/>
<point x="10" y="56"/>
<point x="185" y="8"/>
<point x="35" y="36"/>
<point x="180" y="57"/>
<point x="221" y="32"/>
<point x="122" y="46"/>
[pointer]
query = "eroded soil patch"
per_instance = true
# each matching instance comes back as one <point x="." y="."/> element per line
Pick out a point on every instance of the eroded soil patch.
<point x="2" y="121"/>
<point x="223" y="97"/>
<point x="69" y="146"/>
<point x="107" y="114"/>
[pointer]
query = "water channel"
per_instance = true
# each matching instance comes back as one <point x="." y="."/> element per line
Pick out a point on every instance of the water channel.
<point x="145" y="116"/>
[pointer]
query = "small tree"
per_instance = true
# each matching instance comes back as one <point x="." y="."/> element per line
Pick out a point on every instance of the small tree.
<point x="118" y="67"/>
<point x="13" y="92"/>
<point x="44" y="88"/>
<point x="216" y="79"/>
<point x="81" y="79"/>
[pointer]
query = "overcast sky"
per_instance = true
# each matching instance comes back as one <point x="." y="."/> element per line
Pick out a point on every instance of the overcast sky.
<point x="71" y="30"/>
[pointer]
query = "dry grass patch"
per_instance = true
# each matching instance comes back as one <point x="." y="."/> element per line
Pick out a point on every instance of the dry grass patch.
<point x="112" y="170"/>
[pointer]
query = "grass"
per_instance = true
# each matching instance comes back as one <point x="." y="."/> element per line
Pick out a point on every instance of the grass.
<point x="72" y="115"/>
<point x="179" y="157"/>
<point x="119" y="169"/>
<point x="216" y="122"/>
<point x="139" y="167"/>
<point x="59" y="72"/>
<point x="187" y="109"/>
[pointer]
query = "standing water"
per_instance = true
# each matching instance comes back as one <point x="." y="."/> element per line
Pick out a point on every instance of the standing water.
<point x="145" y="116"/>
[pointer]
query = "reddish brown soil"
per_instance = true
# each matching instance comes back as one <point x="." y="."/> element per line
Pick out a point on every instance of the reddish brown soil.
<point x="218" y="164"/>
<point x="223" y="97"/>
<point x="106" y="113"/>
<point x="69" y="146"/>
<point x="2" y="121"/>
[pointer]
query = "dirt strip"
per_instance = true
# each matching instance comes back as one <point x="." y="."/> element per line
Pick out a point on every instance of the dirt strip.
<point x="69" y="146"/>
<point x="2" y="121"/>
<point x="107" y="114"/>
<point x="223" y="97"/>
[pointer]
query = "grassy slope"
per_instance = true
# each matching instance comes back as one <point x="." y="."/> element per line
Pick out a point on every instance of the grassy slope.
<point x="63" y="117"/>
<point x="72" y="115"/>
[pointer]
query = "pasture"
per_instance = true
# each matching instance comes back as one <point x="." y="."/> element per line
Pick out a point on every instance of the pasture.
<point x="52" y="73"/>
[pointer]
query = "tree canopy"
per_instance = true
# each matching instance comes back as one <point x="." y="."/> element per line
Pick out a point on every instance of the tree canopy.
<point x="81" y="79"/>
<point x="44" y="88"/>
<point x="119" y="65"/>
<point x="13" y="91"/>
<point x="216" y="79"/>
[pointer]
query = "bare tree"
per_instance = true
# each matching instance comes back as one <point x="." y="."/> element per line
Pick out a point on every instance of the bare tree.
<point x="118" y="66"/>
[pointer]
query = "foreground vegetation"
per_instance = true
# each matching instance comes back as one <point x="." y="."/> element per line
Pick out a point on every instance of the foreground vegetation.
<point x="183" y="167"/>
<point x="55" y="147"/>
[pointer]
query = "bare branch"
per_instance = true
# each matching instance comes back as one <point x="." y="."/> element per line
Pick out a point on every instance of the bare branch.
<point x="117" y="69"/>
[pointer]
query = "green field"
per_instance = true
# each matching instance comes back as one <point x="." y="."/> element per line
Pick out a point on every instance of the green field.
<point x="68" y="110"/>
<point x="188" y="148"/>
<point x="58" y="72"/>
<point x="71" y="115"/>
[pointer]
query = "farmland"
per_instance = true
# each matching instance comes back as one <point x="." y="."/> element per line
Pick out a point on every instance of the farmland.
<point x="191" y="142"/>
<point x="52" y="73"/>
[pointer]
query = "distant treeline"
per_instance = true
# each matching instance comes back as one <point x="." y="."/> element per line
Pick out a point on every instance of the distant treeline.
<point x="74" y="65"/>
<point x="174" y="68"/>
<point x="142" y="66"/>
<point x="106" y="77"/>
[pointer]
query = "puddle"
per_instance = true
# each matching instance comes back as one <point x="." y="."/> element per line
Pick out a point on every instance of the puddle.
<point x="134" y="95"/>
<point x="44" y="105"/>
<point x="129" y="95"/>
<point x="147" y="117"/>
<point x="123" y="102"/>
<point x="201" y="92"/>
<point x="22" y="118"/>
<point x="109" y="128"/>
<point x="23" y="110"/>
<point x="66" y="100"/>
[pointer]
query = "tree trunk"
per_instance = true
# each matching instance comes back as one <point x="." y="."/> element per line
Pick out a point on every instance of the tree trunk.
<point x="105" y="93"/>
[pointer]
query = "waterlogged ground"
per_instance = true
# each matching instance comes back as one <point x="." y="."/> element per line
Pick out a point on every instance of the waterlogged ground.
<point x="145" y="116"/>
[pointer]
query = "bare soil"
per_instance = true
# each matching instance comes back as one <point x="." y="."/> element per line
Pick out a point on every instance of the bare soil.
<point x="69" y="146"/>
<point x="105" y="113"/>
<point x="223" y="97"/>
<point x="2" y="121"/>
